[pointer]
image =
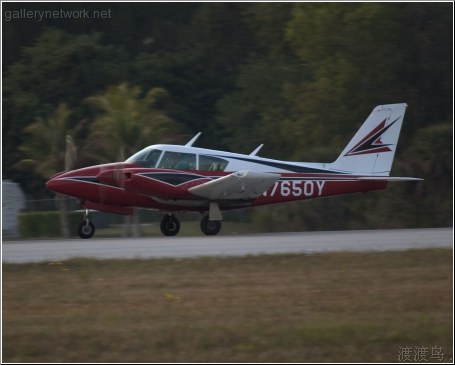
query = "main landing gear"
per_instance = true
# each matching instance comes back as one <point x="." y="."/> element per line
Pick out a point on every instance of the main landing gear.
<point x="210" y="228"/>
<point x="170" y="225"/>
<point x="86" y="229"/>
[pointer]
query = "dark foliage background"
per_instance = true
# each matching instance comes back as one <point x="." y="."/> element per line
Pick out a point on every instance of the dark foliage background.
<point x="298" y="77"/>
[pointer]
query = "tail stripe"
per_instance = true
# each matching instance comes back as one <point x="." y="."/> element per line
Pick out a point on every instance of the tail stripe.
<point x="372" y="142"/>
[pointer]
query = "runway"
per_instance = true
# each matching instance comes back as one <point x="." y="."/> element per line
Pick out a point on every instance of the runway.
<point x="242" y="245"/>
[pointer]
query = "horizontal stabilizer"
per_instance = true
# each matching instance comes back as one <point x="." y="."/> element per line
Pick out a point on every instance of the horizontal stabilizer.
<point x="388" y="178"/>
<point x="242" y="185"/>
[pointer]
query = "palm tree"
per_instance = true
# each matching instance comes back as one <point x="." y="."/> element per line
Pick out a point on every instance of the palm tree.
<point x="125" y="123"/>
<point x="49" y="150"/>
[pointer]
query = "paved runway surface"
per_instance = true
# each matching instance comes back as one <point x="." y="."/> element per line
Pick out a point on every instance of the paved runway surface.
<point x="307" y="242"/>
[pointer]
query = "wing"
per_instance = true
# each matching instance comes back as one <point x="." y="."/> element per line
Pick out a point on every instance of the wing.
<point x="242" y="185"/>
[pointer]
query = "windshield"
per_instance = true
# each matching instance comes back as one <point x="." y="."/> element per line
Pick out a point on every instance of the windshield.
<point x="146" y="158"/>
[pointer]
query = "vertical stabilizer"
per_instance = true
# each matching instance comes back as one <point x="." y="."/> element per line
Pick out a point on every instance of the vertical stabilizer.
<point x="372" y="149"/>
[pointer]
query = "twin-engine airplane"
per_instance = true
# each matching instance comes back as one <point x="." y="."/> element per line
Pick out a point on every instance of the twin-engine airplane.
<point x="172" y="178"/>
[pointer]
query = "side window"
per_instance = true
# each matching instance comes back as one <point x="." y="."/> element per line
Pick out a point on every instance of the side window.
<point x="179" y="161"/>
<point x="210" y="163"/>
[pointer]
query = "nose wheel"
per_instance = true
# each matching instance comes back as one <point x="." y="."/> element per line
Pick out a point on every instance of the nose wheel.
<point x="86" y="229"/>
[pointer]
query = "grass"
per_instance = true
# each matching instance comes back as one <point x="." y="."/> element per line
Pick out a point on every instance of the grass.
<point x="342" y="307"/>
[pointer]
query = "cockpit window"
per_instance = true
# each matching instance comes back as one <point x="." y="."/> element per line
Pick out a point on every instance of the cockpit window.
<point x="179" y="161"/>
<point x="146" y="158"/>
<point x="211" y="163"/>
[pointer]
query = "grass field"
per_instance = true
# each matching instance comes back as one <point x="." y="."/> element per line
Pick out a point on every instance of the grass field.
<point x="343" y="307"/>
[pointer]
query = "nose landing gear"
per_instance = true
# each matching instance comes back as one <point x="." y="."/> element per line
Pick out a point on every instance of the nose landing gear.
<point x="86" y="229"/>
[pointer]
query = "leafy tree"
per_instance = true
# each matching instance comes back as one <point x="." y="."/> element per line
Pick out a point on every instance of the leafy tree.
<point x="262" y="98"/>
<point x="263" y="102"/>
<point x="267" y="24"/>
<point x="363" y="55"/>
<point x="213" y="45"/>
<point x="357" y="56"/>
<point x="193" y="88"/>
<point x="50" y="149"/>
<point x="58" y="68"/>
<point x="126" y="122"/>
<point x="46" y="143"/>
<point x="429" y="203"/>
<point x="352" y="51"/>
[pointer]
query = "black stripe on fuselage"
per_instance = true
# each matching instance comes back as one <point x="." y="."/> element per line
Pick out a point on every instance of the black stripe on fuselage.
<point x="173" y="178"/>
<point x="91" y="179"/>
<point x="283" y="165"/>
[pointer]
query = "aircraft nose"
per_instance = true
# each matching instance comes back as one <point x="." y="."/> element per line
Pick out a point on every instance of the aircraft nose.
<point x="52" y="184"/>
<point x="56" y="184"/>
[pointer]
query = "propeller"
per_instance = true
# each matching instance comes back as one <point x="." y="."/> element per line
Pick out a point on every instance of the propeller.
<point x="70" y="159"/>
<point x="70" y="153"/>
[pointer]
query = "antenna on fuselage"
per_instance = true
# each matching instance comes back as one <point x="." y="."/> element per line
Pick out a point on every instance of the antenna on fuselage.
<point x="256" y="150"/>
<point x="190" y="143"/>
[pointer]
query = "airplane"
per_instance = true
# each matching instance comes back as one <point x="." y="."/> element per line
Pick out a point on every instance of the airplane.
<point x="181" y="178"/>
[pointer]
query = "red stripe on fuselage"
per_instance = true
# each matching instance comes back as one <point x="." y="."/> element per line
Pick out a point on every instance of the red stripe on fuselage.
<point x="137" y="190"/>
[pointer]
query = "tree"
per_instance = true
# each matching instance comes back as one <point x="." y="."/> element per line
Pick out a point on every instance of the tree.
<point x="364" y="54"/>
<point x="263" y="102"/>
<point x="125" y="122"/>
<point x="50" y="149"/>
<point x="58" y="67"/>
<point x="357" y="56"/>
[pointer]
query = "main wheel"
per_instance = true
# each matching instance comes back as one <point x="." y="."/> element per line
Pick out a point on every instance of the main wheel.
<point x="86" y="229"/>
<point x="210" y="228"/>
<point x="170" y="225"/>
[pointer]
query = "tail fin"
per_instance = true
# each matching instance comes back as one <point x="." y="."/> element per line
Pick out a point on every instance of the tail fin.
<point x="372" y="149"/>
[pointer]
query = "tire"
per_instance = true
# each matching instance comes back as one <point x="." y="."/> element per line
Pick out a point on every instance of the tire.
<point x="210" y="228"/>
<point x="170" y="225"/>
<point x="85" y="230"/>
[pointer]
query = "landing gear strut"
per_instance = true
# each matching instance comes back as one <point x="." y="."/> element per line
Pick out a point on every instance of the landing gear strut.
<point x="86" y="229"/>
<point x="170" y="225"/>
<point x="210" y="227"/>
